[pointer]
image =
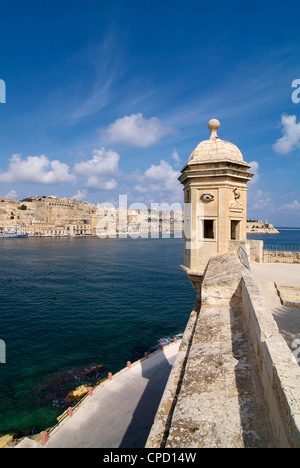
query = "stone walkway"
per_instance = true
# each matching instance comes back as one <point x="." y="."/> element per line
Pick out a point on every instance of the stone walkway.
<point x="120" y="412"/>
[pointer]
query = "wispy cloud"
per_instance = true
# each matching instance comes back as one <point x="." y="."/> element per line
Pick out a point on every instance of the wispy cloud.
<point x="293" y="207"/>
<point x="104" y="65"/>
<point x="259" y="201"/>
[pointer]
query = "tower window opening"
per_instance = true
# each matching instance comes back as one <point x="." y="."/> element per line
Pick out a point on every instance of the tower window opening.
<point x="235" y="230"/>
<point x="208" y="229"/>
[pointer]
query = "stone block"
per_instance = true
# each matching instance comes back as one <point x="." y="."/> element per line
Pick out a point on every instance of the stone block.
<point x="5" y="440"/>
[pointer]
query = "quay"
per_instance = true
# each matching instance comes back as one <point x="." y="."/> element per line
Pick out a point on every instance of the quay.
<point x="121" y="411"/>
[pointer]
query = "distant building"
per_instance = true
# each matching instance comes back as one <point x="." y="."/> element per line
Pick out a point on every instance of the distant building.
<point x="57" y="217"/>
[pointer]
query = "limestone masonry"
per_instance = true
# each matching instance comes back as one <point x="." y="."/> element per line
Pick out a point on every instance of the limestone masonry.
<point x="215" y="191"/>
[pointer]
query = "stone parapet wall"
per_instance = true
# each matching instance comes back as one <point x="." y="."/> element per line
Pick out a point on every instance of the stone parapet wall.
<point x="256" y="250"/>
<point x="281" y="256"/>
<point x="235" y="382"/>
<point x="253" y="248"/>
<point x="279" y="371"/>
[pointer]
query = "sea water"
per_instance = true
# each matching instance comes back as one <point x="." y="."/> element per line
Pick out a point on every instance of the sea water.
<point x="68" y="305"/>
<point x="288" y="238"/>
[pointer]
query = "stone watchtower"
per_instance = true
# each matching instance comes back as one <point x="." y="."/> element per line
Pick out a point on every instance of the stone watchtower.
<point x="215" y="199"/>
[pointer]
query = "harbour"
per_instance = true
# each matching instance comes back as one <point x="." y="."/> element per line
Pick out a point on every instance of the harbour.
<point x="71" y="304"/>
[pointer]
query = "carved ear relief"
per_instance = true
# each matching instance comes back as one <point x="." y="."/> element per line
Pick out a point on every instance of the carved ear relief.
<point x="236" y="193"/>
<point x="207" y="197"/>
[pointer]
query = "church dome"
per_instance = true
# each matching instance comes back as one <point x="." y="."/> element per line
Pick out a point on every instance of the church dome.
<point x="215" y="149"/>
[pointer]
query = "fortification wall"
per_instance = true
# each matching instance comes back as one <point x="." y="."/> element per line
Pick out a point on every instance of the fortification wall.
<point x="281" y="256"/>
<point x="253" y="248"/>
<point x="235" y="382"/>
<point x="279" y="371"/>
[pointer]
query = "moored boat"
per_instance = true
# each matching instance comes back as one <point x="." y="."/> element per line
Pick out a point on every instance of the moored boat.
<point x="12" y="233"/>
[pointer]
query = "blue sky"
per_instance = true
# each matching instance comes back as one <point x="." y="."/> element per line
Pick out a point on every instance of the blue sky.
<point x="110" y="97"/>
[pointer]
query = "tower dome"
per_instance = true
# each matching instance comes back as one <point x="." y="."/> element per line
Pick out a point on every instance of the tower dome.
<point x="215" y="149"/>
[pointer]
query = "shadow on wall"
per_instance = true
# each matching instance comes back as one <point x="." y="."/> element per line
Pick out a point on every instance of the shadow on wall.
<point x="257" y="432"/>
<point x="288" y="322"/>
<point x="139" y="428"/>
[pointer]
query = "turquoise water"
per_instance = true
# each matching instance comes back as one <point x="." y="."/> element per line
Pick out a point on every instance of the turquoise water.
<point x="70" y="304"/>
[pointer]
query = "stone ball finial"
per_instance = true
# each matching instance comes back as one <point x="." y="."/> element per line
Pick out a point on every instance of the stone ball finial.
<point x="213" y="126"/>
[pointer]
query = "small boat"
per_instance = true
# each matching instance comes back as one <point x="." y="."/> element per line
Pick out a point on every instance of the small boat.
<point x="12" y="233"/>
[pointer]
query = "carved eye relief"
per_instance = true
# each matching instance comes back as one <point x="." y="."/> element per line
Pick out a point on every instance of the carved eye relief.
<point x="207" y="197"/>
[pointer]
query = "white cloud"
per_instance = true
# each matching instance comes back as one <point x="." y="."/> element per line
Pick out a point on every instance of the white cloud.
<point x="135" y="130"/>
<point x="80" y="195"/>
<point x="101" y="171"/>
<point x="259" y="200"/>
<point x="12" y="195"/>
<point x="291" y="135"/>
<point x="254" y="169"/>
<point x="100" y="184"/>
<point x="36" y="170"/>
<point x="176" y="158"/>
<point x="102" y="163"/>
<point x="162" y="180"/>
